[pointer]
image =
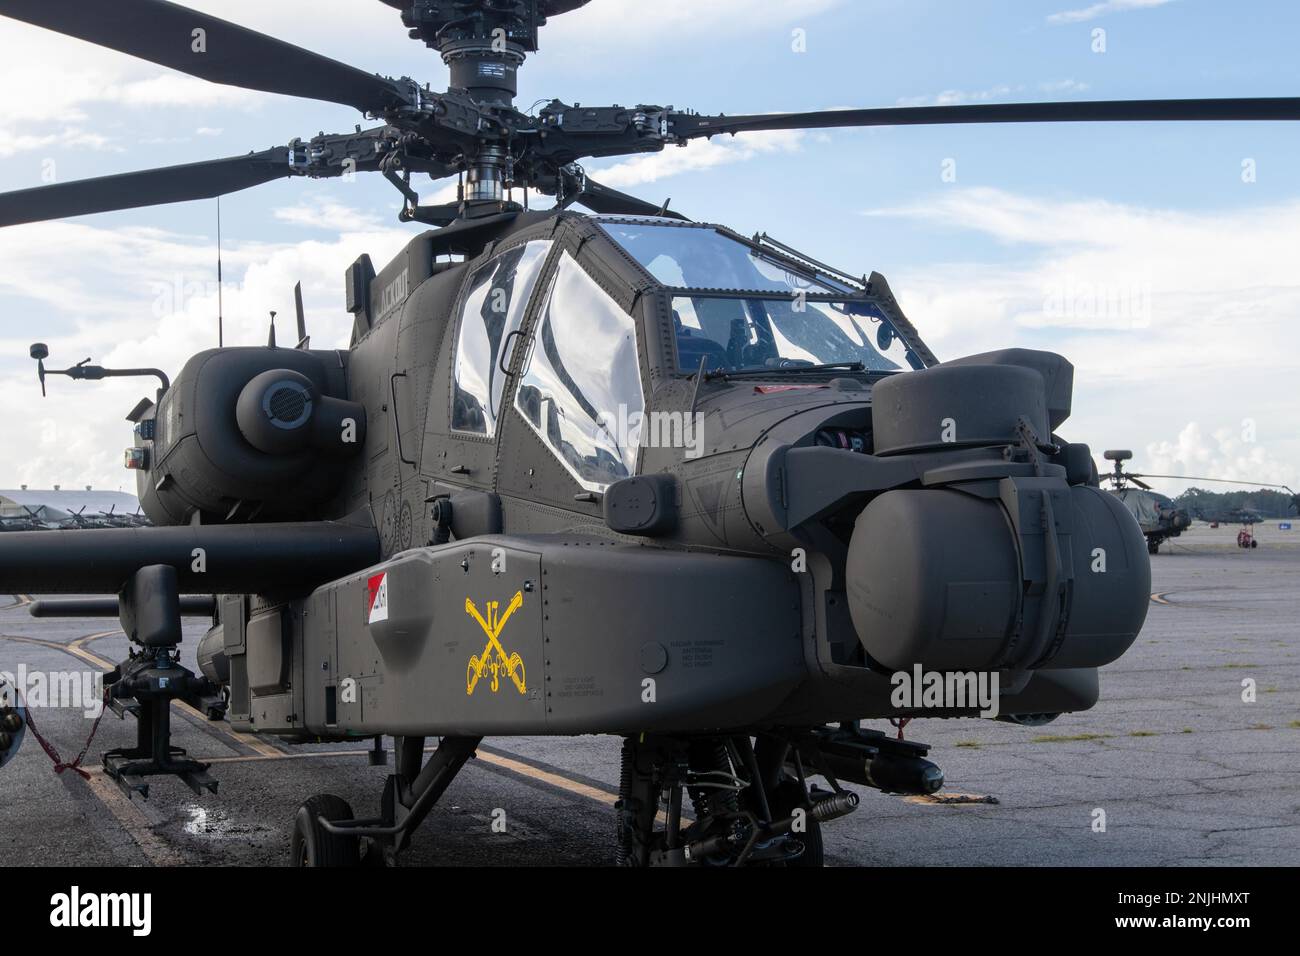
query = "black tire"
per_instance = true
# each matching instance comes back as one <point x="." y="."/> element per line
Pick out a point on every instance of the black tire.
<point x="312" y="844"/>
<point x="787" y="796"/>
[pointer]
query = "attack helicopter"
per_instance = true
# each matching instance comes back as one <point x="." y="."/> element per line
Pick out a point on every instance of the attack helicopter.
<point x="1161" y="518"/>
<point x="1157" y="515"/>
<point x="20" y="523"/>
<point x="615" y="472"/>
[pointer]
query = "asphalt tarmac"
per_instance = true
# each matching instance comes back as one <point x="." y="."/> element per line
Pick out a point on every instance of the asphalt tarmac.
<point x="1181" y="769"/>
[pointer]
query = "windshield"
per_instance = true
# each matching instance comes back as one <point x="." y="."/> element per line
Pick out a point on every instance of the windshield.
<point x="687" y="257"/>
<point x="741" y="334"/>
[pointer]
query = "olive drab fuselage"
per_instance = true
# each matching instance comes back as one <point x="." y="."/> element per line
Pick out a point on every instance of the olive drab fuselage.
<point x="542" y="573"/>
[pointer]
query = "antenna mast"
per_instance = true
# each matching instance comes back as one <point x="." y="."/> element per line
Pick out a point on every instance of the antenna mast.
<point x="220" y="304"/>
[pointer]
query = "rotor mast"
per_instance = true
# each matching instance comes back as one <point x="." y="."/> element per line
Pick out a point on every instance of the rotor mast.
<point x="483" y="44"/>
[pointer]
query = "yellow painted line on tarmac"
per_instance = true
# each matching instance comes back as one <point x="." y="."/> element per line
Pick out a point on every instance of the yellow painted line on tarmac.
<point x="248" y="740"/>
<point x="133" y="820"/>
<point x="281" y="755"/>
<point x="606" y="797"/>
<point x="76" y="648"/>
<point x="545" y="776"/>
<point x="1159" y="597"/>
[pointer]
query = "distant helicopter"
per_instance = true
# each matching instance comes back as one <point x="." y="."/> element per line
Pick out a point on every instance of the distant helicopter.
<point x="112" y="518"/>
<point x="619" y="473"/>
<point x="1156" y="514"/>
<point x="35" y="519"/>
<point x="20" y="523"/>
<point x="1245" y="516"/>
<point x="1161" y="519"/>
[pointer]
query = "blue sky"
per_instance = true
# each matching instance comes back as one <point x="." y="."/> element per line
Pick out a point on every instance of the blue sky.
<point x="1137" y="250"/>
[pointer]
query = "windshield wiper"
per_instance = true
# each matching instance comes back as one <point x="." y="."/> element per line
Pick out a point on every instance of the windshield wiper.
<point x="780" y="370"/>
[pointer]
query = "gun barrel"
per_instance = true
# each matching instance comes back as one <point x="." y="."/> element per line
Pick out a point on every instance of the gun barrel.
<point x="194" y="605"/>
<point x="279" y="559"/>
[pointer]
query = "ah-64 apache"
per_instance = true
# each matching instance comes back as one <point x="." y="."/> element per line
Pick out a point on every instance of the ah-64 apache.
<point x="440" y="531"/>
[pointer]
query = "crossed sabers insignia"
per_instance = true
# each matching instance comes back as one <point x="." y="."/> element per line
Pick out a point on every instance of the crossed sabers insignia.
<point x="494" y="658"/>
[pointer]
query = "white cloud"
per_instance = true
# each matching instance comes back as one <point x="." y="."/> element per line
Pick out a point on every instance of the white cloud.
<point x="53" y="85"/>
<point x="145" y="297"/>
<point x="958" y="97"/>
<point x="12" y="142"/>
<point x="1226" y="454"/>
<point x="326" y="214"/>
<point x="176" y="90"/>
<point x="699" y="155"/>
<point x="1064" y="86"/>
<point x="1159" y="311"/>
<point x="1002" y="91"/>
<point x="1084" y="14"/>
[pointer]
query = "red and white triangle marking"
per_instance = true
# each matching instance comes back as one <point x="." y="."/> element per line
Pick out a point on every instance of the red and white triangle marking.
<point x="377" y="598"/>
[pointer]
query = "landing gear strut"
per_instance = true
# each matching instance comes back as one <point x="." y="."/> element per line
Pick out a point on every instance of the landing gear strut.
<point x="325" y="833"/>
<point x="746" y="808"/>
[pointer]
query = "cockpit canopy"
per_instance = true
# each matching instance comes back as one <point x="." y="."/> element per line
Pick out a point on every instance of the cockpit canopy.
<point x="564" y="330"/>
<point x="737" y="306"/>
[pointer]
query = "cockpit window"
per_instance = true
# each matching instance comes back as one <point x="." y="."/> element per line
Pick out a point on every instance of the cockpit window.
<point x="494" y="307"/>
<point x="695" y="257"/>
<point x="580" y="388"/>
<point x="741" y="333"/>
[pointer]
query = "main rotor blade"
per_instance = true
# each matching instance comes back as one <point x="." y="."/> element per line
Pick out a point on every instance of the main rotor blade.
<point x="209" y="48"/>
<point x="607" y="201"/>
<point x="150" y="187"/>
<point x="690" y="126"/>
<point x="1225" y="481"/>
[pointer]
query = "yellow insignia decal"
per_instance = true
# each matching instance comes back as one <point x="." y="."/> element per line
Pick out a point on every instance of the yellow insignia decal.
<point x="494" y="658"/>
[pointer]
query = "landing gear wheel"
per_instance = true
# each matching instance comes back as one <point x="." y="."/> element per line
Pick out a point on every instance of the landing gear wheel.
<point x="1153" y="547"/>
<point x="784" y="799"/>
<point x="312" y="844"/>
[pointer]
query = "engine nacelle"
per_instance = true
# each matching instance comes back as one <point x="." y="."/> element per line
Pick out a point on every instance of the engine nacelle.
<point x="248" y="434"/>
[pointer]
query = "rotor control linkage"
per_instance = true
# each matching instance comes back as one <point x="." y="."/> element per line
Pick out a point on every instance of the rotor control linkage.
<point x="147" y="682"/>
